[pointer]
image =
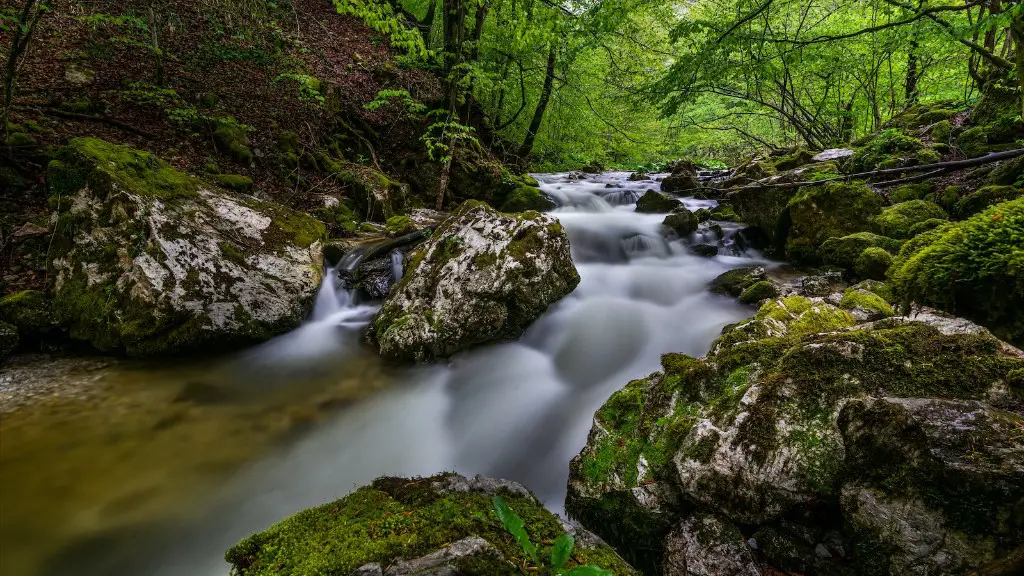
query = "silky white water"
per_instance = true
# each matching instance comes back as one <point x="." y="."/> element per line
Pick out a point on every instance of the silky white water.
<point x="518" y="410"/>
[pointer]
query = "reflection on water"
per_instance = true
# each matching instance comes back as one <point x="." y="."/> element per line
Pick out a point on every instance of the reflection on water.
<point x="168" y="500"/>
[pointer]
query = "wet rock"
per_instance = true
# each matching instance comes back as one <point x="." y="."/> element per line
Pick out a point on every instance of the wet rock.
<point x="8" y="340"/>
<point x="655" y="203"/>
<point x="527" y="198"/>
<point x="705" y="545"/>
<point x="418" y="527"/>
<point x="705" y="250"/>
<point x="821" y="285"/>
<point x="682" y="222"/>
<point x="765" y="209"/>
<point x="682" y="177"/>
<point x="482" y="276"/>
<point x="31" y="312"/>
<point x="373" y="278"/>
<point x="759" y="291"/>
<point x="734" y="282"/>
<point x="149" y="260"/>
<point x="834" y="210"/>
<point x="637" y="176"/>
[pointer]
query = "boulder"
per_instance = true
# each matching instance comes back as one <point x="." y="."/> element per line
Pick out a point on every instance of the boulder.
<point x="982" y="198"/>
<point x="705" y="545"/>
<point x="8" y="340"/>
<point x="31" y="312"/>
<point x="804" y="414"/>
<point x="526" y="198"/>
<point x="482" y="276"/>
<point x="682" y="222"/>
<point x="734" y="282"/>
<point x="683" y="177"/>
<point x="656" y="203"/>
<point x="149" y="260"/>
<point x="833" y="154"/>
<point x="766" y="209"/>
<point x="638" y="176"/>
<point x="897" y="221"/>
<point x="442" y="525"/>
<point x="972" y="268"/>
<point x="845" y="250"/>
<point x="818" y="213"/>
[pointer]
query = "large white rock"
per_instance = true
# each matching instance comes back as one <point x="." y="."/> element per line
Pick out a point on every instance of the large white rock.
<point x="150" y="260"/>
<point x="482" y="276"/>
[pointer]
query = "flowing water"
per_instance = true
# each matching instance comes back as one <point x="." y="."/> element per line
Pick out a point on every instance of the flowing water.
<point x="228" y="447"/>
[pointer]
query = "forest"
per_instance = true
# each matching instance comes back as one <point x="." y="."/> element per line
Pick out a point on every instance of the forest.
<point x="512" y="287"/>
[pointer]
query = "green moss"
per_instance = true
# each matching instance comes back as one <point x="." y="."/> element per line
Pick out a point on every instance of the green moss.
<point x="287" y="225"/>
<point x="758" y="291"/>
<point x="682" y="222"/>
<point x="21" y="140"/>
<point x="982" y="198"/>
<point x="527" y="198"/>
<point x="232" y="139"/>
<point x="29" y="311"/>
<point x="890" y="148"/>
<point x="398" y="225"/>
<point x="929" y="224"/>
<point x="865" y="300"/>
<point x="235" y="182"/>
<point x="927" y="156"/>
<point x="724" y="213"/>
<point x="399" y="518"/>
<point x="881" y="289"/>
<point x="734" y="282"/>
<point x="873" y="264"/>
<point x="844" y="252"/>
<point x="974" y="268"/>
<point x="818" y="213"/>
<point x="232" y="253"/>
<point x="797" y="158"/>
<point x="896" y="221"/>
<point x="906" y="192"/>
<point x="655" y="202"/>
<point x="140" y="172"/>
<point x="942" y="131"/>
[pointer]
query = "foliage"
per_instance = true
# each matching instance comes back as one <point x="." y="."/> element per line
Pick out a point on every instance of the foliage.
<point x="561" y="550"/>
<point x="309" y="87"/>
<point x="381" y="17"/>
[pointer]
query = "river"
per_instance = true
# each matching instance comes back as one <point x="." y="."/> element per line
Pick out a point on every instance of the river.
<point x="177" y="461"/>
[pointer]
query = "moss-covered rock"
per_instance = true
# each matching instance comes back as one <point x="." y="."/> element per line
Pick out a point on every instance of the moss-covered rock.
<point x="30" y="311"/>
<point x="233" y="140"/>
<point x="444" y="524"/>
<point x="974" y="268"/>
<point x="766" y="209"/>
<point x="889" y="149"/>
<point x="982" y="198"/>
<point x="527" y="198"/>
<point x="481" y="276"/>
<point x="682" y="177"/>
<point x="21" y="140"/>
<point x="896" y="221"/>
<point x="872" y="263"/>
<point x="758" y="292"/>
<point x="234" y="182"/>
<point x="734" y="282"/>
<point x="8" y="340"/>
<point x="704" y="250"/>
<point x="399" y="225"/>
<point x="656" y="203"/>
<point x="794" y="159"/>
<point x="941" y="132"/>
<point x="834" y="210"/>
<point x="789" y="415"/>
<point x="1008" y="173"/>
<point x="148" y="260"/>
<point x="682" y="222"/>
<point x="843" y="252"/>
<point x="374" y="196"/>
<point x="907" y="192"/>
<point x="871" y="304"/>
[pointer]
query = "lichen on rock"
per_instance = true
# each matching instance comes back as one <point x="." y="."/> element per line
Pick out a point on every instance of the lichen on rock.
<point x="149" y="260"/>
<point x="482" y="276"/>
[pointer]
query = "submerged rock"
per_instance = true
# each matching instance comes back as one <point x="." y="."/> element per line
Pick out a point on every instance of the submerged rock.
<point x="800" y="417"/>
<point x="482" y="276"/>
<point x="656" y="203"/>
<point x="149" y="260"/>
<point x="444" y="524"/>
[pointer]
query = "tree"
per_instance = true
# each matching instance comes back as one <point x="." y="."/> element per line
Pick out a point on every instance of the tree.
<point x="22" y="26"/>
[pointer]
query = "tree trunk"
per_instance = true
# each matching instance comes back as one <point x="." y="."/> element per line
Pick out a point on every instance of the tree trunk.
<point x="542" y="105"/>
<point x="1017" y="30"/>
<point x="474" y="54"/>
<point x="21" y="37"/>
<point x="913" y="76"/>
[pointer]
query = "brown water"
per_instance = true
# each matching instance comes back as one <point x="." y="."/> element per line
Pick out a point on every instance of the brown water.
<point x="120" y="444"/>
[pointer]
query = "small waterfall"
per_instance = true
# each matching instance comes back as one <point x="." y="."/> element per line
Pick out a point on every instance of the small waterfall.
<point x="396" y="265"/>
<point x="330" y="299"/>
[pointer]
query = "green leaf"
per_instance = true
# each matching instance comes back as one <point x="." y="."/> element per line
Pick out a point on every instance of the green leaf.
<point x="561" y="551"/>
<point x="589" y="571"/>
<point x="515" y="527"/>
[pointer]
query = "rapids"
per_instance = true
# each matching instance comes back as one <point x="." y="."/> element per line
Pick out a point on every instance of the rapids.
<point x="518" y="410"/>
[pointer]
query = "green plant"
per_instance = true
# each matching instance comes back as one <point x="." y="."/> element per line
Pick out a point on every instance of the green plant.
<point x="410" y="105"/>
<point x="561" y="550"/>
<point x="309" y="87"/>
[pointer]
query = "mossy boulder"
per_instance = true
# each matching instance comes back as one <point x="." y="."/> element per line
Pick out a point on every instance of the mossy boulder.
<point x="482" y="276"/>
<point x="941" y="132"/>
<point x="798" y="157"/>
<point x="682" y="222"/>
<point x="149" y="260"/>
<point x="973" y="268"/>
<point x="1008" y="173"/>
<point x="527" y="198"/>
<point x="399" y="225"/>
<point x="444" y="524"/>
<point x="656" y="203"/>
<point x="758" y="292"/>
<point x="916" y="191"/>
<point x="766" y="209"/>
<point x="683" y="177"/>
<point x="734" y="282"/>
<point x="234" y="182"/>
<point x="232" y="139"/>
<point x="889" y="149"/>
<point x="872" y="263"/>
<point x="818" y="213"/>
<point x="844" y="251"/>
<point x="871" y="305"/>
<point x="31" y="312"/>
<point x="897" y="221"/>
<point x="795" y="410"/>
<point x="8" y="340"/>
<point x="982" y="198"/>
<point x="374" y="195"/>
